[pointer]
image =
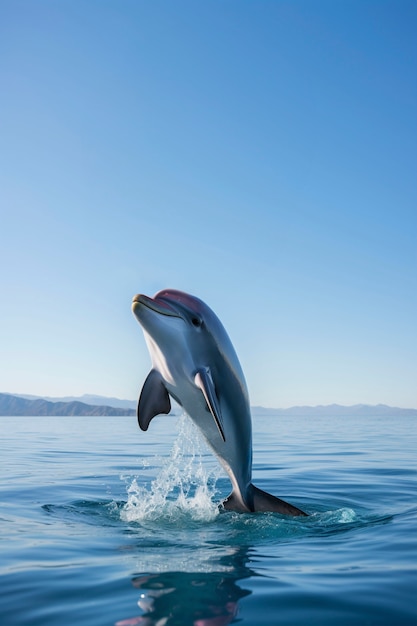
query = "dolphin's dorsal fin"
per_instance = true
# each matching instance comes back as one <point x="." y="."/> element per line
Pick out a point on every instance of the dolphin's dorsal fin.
<point x="153" y="399"/>
<point x="204" y="381"/>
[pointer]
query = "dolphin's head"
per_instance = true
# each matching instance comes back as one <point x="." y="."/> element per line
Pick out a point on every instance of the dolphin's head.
<point x="176" y="321"/>
<point x="179" y="324"/>
<point x="171" y="312"/>
<point x="170" y="303"/>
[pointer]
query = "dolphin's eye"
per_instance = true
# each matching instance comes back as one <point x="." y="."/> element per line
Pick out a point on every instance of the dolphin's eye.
<point x="195" y="321"/>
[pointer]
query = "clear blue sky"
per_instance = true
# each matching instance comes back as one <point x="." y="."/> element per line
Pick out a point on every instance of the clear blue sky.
<point x="259" y="154"/>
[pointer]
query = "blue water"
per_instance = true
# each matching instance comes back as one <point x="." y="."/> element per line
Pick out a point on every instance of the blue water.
<point x="102" y="524"/>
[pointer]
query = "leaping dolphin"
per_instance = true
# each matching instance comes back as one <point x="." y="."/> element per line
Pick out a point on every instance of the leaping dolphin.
<point x="193" y="361"/>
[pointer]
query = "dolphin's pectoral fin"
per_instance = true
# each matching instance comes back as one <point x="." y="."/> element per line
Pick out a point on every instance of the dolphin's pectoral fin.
<point x="204" y="381"/>
<point x="153" y="399"/>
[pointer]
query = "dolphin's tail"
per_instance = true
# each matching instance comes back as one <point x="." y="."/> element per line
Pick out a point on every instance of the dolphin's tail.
<point x="258" y="500"/>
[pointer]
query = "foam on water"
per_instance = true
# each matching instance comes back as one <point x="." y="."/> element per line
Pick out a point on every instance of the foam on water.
<point x="185" y="488"/>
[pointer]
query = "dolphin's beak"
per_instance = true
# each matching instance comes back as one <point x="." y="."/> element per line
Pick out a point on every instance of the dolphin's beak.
<point x="161" y="307"/>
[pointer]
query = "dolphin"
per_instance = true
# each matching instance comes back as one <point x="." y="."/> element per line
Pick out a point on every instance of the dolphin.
<point x="194" y="362"/>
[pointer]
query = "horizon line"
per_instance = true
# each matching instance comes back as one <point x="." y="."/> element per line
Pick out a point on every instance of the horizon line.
<point x="252" y="406"/>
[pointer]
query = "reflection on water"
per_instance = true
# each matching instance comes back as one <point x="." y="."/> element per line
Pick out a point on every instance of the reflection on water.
<point x="192" y="598"/>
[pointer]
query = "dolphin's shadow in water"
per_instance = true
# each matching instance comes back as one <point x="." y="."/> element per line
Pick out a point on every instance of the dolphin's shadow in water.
<point x="193" y="598"/>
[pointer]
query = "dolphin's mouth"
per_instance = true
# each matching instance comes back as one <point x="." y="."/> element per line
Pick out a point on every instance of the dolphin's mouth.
<point x="161" y="307"/>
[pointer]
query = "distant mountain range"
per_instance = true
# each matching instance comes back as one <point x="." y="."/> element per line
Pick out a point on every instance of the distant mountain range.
<point x="12" y="405"/>
<point x="17" y="405"/>
<point x="333" y="410"/>
<point x="86" y="399"/>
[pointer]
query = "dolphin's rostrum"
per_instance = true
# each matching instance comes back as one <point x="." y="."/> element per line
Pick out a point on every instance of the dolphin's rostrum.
<point x="194" y="362"/>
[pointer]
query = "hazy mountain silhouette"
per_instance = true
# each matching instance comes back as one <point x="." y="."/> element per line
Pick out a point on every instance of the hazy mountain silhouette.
<point x="15" y="404"/>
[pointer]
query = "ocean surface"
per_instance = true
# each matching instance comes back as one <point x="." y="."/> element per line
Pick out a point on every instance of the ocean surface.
<point x="102" y="524"/>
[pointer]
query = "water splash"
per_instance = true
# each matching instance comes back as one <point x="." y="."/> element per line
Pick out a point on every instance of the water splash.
<point x="184" y="489"/>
